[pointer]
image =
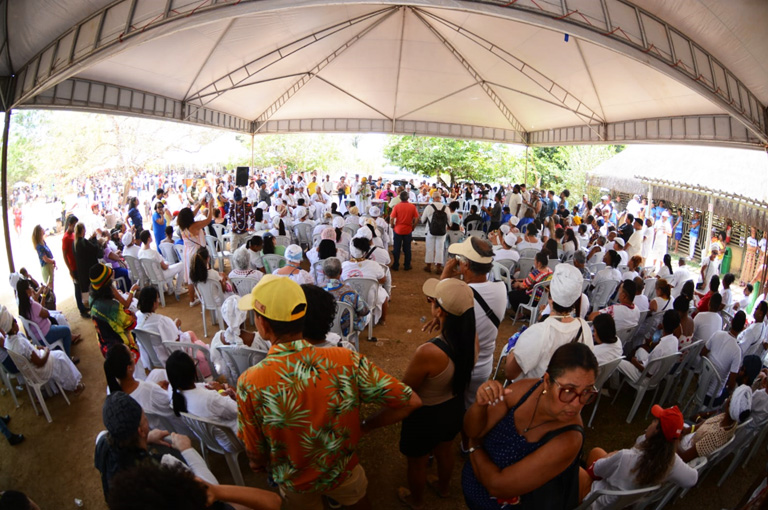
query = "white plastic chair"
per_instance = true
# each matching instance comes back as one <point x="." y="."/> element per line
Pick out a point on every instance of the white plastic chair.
<point x="366" y="287"/>
<point x="179" y="249"/>
<point x="552" y="264"/>
<point x="211" y="297"/>
<point x="346" y="310"/>
<point x="623" y="499"/>
<point x="650" y="288"/>
<point x="532" y="304"/>
<point x="243" y="286"/>
<point x="35" y="334"/>
<point x="686" y="356"/>
<point x="455" y="236"/>
<point x="282" y="240"/>
<point x="476" y="233"/>
<point x="501" y="274"/>
<point x="708" y="374"/>
<point x="661" y="367"/>
<point x="525" y="266"/>
<point x="205" y="430"/>
<point x="137" y="272"/>
<point x="743" y="439"/>
<point x="215" y="248"/>
<point x="604" y="372"/>
<point x="596" y="267"/>
<point x="35" y="383"/>
<point x="349" y="229"/>
<point x="171" y="256"/>
<point x="602" y="293"/>
<point x="273" y="261"/>
<point x="474" y="225"/>
<point x="669" y="489"/>
<point x="692" y="367"/>
<point x="529" y="253"/>
<point x="157" y="279"/>
<point x="714" y="458"/>
<point x="238" y="359"/>
<point x="303" y="233"/>
<point x="502" y="357"/>
<point x="757" y="445"/>
<point x="7" y="377"/>
<point x="192" y="350"/>
<point x="150" y="343"/>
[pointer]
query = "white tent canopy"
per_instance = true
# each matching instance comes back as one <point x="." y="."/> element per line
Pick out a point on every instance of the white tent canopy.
<point x="537" y="72"/>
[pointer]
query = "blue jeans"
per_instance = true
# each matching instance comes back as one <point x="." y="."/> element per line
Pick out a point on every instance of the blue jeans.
<point x="79" y="298"/>
<point x="403" y="241"/>
<point x="4" y="429"/>
<point x="121" y="272"/>
<point x="60" y="333"/>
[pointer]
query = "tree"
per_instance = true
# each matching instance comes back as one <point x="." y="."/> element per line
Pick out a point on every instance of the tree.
<point x="299" y="152"/>
<point x="458" y="159"/>
<point x="566" y="167"/>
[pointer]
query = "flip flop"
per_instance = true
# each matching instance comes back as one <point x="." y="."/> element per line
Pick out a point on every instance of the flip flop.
<point x="79" y="389"/>
<point x="403" y="494"/>
<point x="77" y="339"/>
<point x="433" y="483"/>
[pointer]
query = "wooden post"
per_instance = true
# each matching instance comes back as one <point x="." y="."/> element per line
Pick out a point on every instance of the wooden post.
<point x="4" y="162"/>
<point x="710" y="222"/>
<point x="525" y="176"/>
<point x="252" y="136"/>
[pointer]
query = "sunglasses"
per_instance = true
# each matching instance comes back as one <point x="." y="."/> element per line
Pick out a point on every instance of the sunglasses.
<point x="568" y="395"/>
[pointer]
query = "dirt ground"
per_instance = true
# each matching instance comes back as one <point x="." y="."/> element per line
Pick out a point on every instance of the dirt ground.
<point x="55" y="464"/>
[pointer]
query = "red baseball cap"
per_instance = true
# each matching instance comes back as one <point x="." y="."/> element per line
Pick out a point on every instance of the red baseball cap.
<point x="671" y="420"/>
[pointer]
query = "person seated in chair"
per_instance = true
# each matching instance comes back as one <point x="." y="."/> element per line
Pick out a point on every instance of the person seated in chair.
<point x="625" y="314"/>
<point x="168" y="271"/>
<point x="321" y="312"/>
<point x="646" y="354"/>
<point x="523" y="288"/>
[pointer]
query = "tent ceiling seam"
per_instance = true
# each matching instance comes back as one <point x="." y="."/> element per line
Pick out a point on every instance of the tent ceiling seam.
<point x="208" y="57"/>
<point x="399" y="67"/>
<point x="353" y="97"/>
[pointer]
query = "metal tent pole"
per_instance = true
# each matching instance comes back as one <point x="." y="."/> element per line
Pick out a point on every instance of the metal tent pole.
<point x="6" y="226"/>
<point x="710" y="223"/>
<point x="525" y="177"/>
<point x="252" y="136"/>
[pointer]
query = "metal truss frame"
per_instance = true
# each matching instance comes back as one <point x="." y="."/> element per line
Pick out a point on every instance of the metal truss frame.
<point x="616" y="24"/>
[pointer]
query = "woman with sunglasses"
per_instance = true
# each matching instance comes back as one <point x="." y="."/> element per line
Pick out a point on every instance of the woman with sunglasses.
<point x="525" y="440"/>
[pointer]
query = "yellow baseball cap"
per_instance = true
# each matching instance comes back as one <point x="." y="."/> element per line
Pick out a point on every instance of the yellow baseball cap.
<point x="454" y="296"/>
<point x="277" y="298"/>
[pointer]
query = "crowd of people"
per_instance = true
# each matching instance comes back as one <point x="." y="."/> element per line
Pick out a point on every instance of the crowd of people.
<point x="298" y="247"/>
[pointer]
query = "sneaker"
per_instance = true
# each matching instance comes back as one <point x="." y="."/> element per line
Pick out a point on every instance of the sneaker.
<point x="15" y="439"/>
<point x="194" y="303"/>
<point x="183" y="291"/>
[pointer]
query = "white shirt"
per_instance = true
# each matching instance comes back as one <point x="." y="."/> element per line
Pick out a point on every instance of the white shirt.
<point x="161" y="325"/>
<point x="750" y="340"/>
<point x="495" y="295"/>
<point x="666" y="346"/>
<point x="635" y="243"/>
<point x="214" y="406"/>
<point x="152" y="254"/>
<point x="608" y="352"/>
<point x="617" y="473"/>
<point x="536" y="345"/>
<point x="132" y="250"/>
<point x="624" y="256"/>
<point x="641" y="302"/>
<point x="624" y="316"/>
<point x="19" y="344"/>
<point x="607" y="274"/>
<point x="506" y="254"/>
<point x="514" y="200"/>
<point x="681" y="276"/>
<point x="725" y="355"/>
<point x="712" y="268"/>
<point x="706" y="324"/>
<point x="299" y="276"/>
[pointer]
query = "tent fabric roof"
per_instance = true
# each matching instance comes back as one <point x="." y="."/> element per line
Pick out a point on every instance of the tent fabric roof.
<point x="735" y="180"/>
<point x="525" y="71"/>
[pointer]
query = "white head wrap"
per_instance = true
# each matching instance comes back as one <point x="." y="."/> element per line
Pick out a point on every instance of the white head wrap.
<point x="234" y="317"/>
<point x="510" y="239"/>
<point x="338" y="222"/>
<point x="6" y="319"/>
<point x="741" y="400"/>
<point x="374" y="211"/>
<point x="263" y="206"/>
<point x="364" y="232"/>
<point x="566" y="285"/>
<point x="127" y="238"/>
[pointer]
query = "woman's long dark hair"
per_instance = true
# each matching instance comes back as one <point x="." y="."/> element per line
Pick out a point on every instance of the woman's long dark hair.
<point x="656" y="458"/>
<point x="459" y="333"/>
<point x="373" y="230"/>
<point x="326" y="249"/>
<point x="199" y="271"/>
<point x="338" y="234"/>
<point x="181" y="372"/>
<point x="668" y="262"/>
<point x="116" y="365"/>
<point x="25" y="302"/>
<point x="185" y="218"/>
<point x="258" y="215"/>
<point x="570" y="236"/>
<point x="281" y="228"/>
<point x="269" y="245"/>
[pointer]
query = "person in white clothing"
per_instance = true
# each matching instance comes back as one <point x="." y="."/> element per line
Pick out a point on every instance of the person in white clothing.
<point x="651" y="461"/>
<point x="472" y="261"/>
<point x="611" y="259"/>
<point x="382" y="225"/>
<point x="706" y="324"/>
<point x="724" y="353"/>
<point x="607" y="345"/>
<point x="169" y="271"/>
<point x="47" y="364"/>
<point x="435" y="215"/>
<point x="213" y="401"/>
<point x="618" y="246"/>
<point x="753" y="339"/>
<point x="667" y="345"/>
<point x="505" y="250"/>
<point x="625" y="314"/>
<point x="634" y="245"/>
<point x="292" y="268"/>
<point x="710" y="266"/>
<point x="534" y="348"/>
<point x="359" y="266"/>
<point x="680" y="276"/>
<point x="131" y="246"/>
<point x="641" y="300"/>
<point x="233" y="318"/>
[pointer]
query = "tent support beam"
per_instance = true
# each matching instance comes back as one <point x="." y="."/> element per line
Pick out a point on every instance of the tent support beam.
<point x="6" y="225"/>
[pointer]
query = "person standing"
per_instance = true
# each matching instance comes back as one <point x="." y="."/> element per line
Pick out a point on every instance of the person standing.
<point x="677" y="228"/>
<point x="304" y="425"/>
<point x="403" y="220"/>
<point x="436" y="218"/>
<point x="693" y="234"/>
<point x="44" y="255"/>
<point x="240" y="217"/>
<point x="68" y="250"/>
<point x="158" y="223"/>
<point x="748" y="267"/>
<point x="87" y="254"/>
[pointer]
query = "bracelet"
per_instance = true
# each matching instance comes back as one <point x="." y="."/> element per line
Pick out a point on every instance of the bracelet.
<point x="474" y="449"/>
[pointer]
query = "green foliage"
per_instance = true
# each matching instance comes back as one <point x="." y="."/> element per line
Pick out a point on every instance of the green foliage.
<point x="300" y="152"/>
<point x="458" y="159"/>
<point x="566" y="167"/>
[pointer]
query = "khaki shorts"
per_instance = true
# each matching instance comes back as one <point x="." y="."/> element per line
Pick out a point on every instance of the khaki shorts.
<point x="47" y="271"/>
<point x="348" y="493"/>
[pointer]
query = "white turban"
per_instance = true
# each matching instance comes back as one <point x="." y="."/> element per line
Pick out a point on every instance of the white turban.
<point x="566" y="285"/>
<point x="234" y="317"/>
<point x="364" y="232"/>
<point x="128" y="238"/>
<point x="511" y="239"/>
<point x="262" y="205"/>
<point x="741" y="401"/>
<point x="338" y="222"/>
<point x="6" y="319"/>
<point x="374" y="211"/>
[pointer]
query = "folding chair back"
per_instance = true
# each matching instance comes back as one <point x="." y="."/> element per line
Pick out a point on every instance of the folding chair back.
<point x="529" y="253"/>
<point x="619" y="499"/>
<point x="35" y="383"/>
<point x="366" y="288"/>
<point x="303" y="235"/>
<point x="650" y="288"/>
<point x="154" y="272"/>
<point x="455" y="236"/>
<point x="604" y="372"/>
<point x="150" y="343"/>
<point x="35" y="334"/>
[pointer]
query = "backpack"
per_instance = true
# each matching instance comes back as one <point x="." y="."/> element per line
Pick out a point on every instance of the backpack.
<point x="438" y="225"/>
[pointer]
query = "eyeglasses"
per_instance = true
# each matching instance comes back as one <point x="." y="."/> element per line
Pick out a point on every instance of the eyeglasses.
<point x="568" y="395"/>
